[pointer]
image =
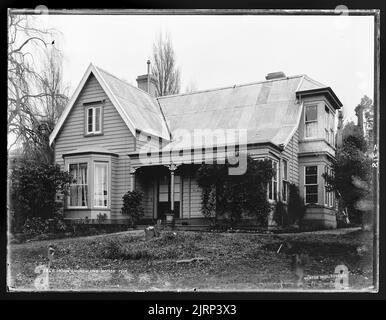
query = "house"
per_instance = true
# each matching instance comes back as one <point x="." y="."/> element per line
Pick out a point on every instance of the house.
<point x="114" y="137"/>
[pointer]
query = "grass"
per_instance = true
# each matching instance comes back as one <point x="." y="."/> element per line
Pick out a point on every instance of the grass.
<point x="233" y="261"/>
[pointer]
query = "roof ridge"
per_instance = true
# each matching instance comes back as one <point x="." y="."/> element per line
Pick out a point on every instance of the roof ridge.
<point x="124" y="81"/>
<point x="315" y="81"/>
<point x="229" y="87"/>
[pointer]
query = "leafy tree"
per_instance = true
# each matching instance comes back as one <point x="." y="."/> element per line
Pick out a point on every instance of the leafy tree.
<point x="232" y="196"/>
<point x="351" y="178"/>
<point x="164" y="66"/>
<point x="34" y="186"/>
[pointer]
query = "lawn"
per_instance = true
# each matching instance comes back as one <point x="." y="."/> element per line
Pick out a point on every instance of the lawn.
<point x="229" y="261"/>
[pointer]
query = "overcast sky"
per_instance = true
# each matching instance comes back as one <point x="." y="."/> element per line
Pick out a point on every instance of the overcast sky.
<point x="216" y="51"/>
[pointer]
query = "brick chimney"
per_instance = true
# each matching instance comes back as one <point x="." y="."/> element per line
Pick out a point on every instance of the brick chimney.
<point x="275" y="75"/>
<point x="147" y="82"/>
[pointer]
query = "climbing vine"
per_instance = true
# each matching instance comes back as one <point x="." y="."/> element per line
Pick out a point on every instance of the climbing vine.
<point x="233" y="196"/>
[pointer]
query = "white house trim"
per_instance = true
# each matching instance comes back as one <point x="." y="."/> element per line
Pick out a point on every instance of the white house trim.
<point x="295" y="127"/>
<point x="91" y="69"/>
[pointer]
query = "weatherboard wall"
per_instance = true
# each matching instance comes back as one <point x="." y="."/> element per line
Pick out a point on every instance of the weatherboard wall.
<point x="116" y="139"/>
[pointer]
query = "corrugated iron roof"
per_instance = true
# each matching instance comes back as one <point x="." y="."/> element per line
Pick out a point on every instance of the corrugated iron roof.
<point x="142" y="108"/>
<point x="268" y="110"/>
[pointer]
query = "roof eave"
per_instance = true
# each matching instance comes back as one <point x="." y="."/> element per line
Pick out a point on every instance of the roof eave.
<point x="327" y="91"/>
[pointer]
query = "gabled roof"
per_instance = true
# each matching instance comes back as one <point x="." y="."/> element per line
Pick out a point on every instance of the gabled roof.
<point x="268" y="110"/>
<point x="138" y="109"/>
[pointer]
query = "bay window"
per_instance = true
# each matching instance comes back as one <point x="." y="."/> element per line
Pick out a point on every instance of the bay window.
<point x="79" y="188"/>
<point x="311" y="184"/>
<point x="311" y="121"/>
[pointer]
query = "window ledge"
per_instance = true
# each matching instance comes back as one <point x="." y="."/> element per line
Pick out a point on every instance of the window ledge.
<point x="93" y="134"/>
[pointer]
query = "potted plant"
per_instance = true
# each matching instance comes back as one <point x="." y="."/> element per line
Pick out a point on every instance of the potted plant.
<point x="170" y="217"/>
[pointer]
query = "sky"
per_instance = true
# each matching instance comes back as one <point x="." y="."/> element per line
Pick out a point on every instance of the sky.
<point x="215" y="51"/>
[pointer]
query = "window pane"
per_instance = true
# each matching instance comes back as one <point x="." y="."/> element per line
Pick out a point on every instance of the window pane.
<point x="311" y="113"/>
<point x="73" y="171"/>
<point x="311" y="190"/>
<point x="285" y="191"/>
<point x="275" y="190"/>
<point x="311" y="129"/>
<point x="311" y="170"/>
<point x="325" y="196"/>
<point x="98" y="119"/>
<point x="100" y="185"/>
<point x="270" y="191"/>
<point x="312" y="198"/>
<point x="78" y="190"/>
<point x="311" y="179"/>
<point x="89" y="119"/>
<point x="285" y="172"/>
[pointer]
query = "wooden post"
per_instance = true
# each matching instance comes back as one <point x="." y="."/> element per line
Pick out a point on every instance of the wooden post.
<point x="172" y="168"/>
<point x="132" y="179"/>
<point x="172" y="190"/>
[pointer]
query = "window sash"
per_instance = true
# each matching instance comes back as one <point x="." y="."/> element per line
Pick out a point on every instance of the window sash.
<point x="311" y="184"/>
<point x="273" y="185"/>
<point x="94" y="120"/>
<point x="78" y="196"/>
<point x="311" y="129"/>
<point x="101" y="185"/>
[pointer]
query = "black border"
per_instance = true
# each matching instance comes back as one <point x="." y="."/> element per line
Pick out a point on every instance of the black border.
<point x="166" y="297"/>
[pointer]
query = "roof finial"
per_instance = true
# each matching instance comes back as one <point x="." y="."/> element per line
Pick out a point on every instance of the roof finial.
<point x="148" y="76"/>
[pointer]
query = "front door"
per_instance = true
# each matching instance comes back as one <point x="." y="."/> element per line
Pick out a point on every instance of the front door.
<point x="164" y="196"/>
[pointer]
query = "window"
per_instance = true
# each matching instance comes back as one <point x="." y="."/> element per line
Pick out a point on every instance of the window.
<point x="332" y="133"/>
<point x="327" y="124"/>
<point x="311" y="184"/>
<point x="78" y="189"/>
<point x="311" y="121"/>
<point x="101" y="184"/>
<point x="285" y="181"/>
<point x="328" y="195"/>
<point x="272" y="186"/>
<point x="94" y="120"/>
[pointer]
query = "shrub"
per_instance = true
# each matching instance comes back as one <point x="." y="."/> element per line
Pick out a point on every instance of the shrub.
<point x="33" y="190"/>
<point x="101" y="217"/>
<point x="132" y="205"/>
<point x="280" y="214"/>
<point x="37" y="226"/>
<point x="115" y="249"/>
<point x="296" y="207"/>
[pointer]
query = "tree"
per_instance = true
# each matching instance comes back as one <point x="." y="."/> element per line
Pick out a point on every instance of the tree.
<point x="164" y="66"/>
<point x="33" y="89"/>
<point x="351" y="178"/>
<point x="34" y="187"/>
<point x="51" y="104"/>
